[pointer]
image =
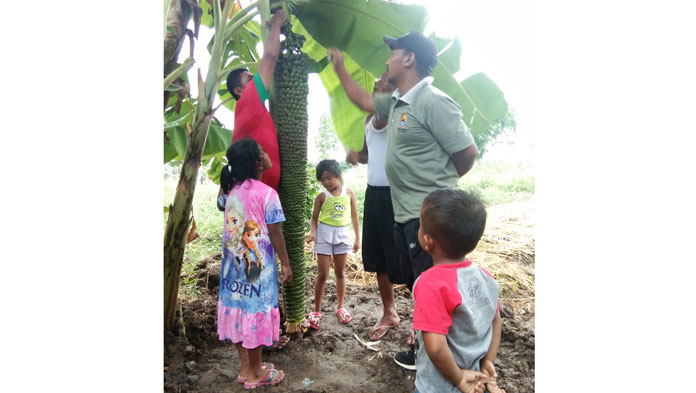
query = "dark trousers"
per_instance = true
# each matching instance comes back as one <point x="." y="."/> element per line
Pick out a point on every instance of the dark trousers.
<point x="413" y="260"/>
<point x="378" y="250"/>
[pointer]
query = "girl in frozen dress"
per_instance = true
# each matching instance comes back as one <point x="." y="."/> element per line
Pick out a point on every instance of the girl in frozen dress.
<point x="248" y="312"/>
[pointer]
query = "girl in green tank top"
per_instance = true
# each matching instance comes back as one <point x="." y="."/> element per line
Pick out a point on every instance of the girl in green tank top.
<point x="334" y="210"/>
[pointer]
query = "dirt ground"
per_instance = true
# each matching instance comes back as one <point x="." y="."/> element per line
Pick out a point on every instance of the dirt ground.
<point x="332" y="358"/>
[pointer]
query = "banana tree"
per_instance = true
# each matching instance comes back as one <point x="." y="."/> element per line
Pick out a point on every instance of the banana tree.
<point x="179" y="105"/>
<point x="180" y="211"/>
<point x="356" y="27"/>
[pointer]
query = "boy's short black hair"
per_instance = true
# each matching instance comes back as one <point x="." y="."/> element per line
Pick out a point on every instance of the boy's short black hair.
<point x="329" y="165"/>
<point x="455" y="219"/>
<point x="234" y="79"/>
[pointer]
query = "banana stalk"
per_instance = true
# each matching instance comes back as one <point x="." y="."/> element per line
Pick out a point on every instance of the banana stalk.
<point x="291" y="123"/>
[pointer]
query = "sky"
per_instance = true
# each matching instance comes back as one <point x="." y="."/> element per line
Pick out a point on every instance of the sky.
<point x="497" y="39"/>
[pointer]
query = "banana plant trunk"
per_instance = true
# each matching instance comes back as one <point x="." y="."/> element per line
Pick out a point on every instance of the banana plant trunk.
<point x="180" y="217"/>
<point x="180" y="211"/>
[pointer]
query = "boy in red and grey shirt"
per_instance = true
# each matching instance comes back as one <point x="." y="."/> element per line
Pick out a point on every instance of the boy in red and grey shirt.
<point x="456" y="313"/>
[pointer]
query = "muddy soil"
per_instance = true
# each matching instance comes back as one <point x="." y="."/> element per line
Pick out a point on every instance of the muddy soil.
<point x="331" y="358"/>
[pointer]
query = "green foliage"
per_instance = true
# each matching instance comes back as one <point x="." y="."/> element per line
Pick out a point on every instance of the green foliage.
<point x="239" y="50"/>
<point x="207" y="14"/>
<point x="507" y="125"/>
<point x="347" y="119"/>
<point x="180" y="107"/>
<point x="481" y="101"/>
<point x="214" y="168"/>
<point x="313" y="189"/>
<point x="175" y="139"/>
<point x="190" y="284"/>
<point x="344" y="166"/>
<point x="357" y="27"/>
<point x="325" y="141"/>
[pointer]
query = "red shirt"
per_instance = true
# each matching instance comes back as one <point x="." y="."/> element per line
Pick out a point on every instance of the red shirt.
<point x="252" y="120"/>
<point x="436" y="295"/>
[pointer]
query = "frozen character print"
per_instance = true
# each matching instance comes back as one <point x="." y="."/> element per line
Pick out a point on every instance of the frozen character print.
<point x="235" y="221"/>
<point x="253" y="264"/>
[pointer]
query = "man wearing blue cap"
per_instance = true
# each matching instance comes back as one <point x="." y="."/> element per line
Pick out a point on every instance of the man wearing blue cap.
<point x="428" y="145"/>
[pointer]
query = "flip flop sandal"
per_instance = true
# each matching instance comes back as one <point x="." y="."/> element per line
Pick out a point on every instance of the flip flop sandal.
<point x="376" y="328"/>
<point x="277" y="346"/>
<point x="344" y="316"/>
<point x="270" y="380"/>
<point x="314" y="319"/>
<point x="264" y="365"/>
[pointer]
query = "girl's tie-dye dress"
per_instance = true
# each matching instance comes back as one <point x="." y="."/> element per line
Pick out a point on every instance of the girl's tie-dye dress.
<point x="248" y="300"/>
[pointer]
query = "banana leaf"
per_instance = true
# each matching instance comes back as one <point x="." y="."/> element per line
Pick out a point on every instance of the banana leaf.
<point x="357" y="28"/>
<point x="348" y="119"/>
<point x="448" y="51"/>
<point x="216" y="143"/>
<point x="354" y="26"/>
<point x="214" y="168"/>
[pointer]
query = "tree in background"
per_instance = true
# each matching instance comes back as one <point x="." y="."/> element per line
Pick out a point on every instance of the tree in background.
<point x="506" y="125"/>
<point x="326" y="140"/>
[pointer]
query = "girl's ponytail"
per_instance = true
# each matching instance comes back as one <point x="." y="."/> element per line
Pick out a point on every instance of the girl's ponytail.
<point x="226" y="179"/>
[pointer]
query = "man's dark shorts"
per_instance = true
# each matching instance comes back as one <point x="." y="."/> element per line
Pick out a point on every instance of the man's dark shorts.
<point x="412" y="258"/>
<point x="379" y="253"/>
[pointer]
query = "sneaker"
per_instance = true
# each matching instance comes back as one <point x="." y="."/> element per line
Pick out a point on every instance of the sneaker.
<point x="406" y="359"/>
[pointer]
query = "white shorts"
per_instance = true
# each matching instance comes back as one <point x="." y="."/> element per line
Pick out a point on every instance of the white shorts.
<point x="332" y="240"/>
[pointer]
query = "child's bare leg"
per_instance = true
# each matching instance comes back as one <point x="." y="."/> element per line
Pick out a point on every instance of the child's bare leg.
<point x="339" y="268"/>
<point x="256" y="370"/>
<point x="243" y="360"/>
<point x="324" y="262"/>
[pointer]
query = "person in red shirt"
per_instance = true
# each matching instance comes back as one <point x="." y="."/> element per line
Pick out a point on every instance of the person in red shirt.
<point x="251" y="118"/>
<point x="456" y="313"/>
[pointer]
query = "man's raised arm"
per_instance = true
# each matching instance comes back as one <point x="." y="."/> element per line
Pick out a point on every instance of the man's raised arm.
<point x="271" y="49"/>
<point x="355" y="93"/>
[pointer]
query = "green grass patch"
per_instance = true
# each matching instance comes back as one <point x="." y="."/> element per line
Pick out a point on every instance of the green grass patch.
<point x="499" y="183"/>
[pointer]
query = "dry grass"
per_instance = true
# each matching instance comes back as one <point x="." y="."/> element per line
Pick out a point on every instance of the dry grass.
<point x="506" y="250"/>
<point x="355" y="274"/>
